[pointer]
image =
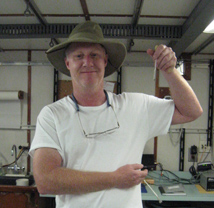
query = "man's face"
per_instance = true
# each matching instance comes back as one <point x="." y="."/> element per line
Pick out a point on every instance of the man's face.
<point x="86" y="63"/>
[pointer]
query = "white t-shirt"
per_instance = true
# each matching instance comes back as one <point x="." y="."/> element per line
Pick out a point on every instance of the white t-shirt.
<point x="140" y="116"/>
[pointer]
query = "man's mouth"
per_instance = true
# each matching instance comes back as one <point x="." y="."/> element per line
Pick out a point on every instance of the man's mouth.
<point x="88" y="72"/>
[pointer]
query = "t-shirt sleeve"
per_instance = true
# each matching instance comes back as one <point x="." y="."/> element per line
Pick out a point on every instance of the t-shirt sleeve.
<point x="160" y="112"/>
<point x="45" y="134"/>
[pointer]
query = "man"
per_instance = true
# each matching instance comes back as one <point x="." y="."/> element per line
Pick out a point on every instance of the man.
<point x="88" y="146"/>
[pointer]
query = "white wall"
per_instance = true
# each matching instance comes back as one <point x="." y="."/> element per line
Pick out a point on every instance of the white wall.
<point x="16" y="78"/>
<point x="134" y="79"/>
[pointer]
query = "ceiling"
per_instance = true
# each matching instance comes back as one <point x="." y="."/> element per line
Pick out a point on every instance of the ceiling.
<point x="139" y="24"/>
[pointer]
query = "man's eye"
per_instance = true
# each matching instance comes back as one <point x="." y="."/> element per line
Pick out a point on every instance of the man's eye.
<point x="93" y="55"/>
<point x="79" y="56"/>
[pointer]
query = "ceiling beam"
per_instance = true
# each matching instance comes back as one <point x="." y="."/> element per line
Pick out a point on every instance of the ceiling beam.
<point x="38" y="15"/>
<point x="198" y="20"/>
<point x="204" y="45"/>
<point x="85" y="9"/>
<point x="99" y="15"/>
<point x="36" y="11"/>
<point x="137" y="11"/>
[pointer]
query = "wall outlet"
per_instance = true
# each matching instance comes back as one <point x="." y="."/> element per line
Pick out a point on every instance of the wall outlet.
<point x="203" y="146"/>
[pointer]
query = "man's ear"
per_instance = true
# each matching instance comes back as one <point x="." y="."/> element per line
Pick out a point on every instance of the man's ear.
<point x="66" y="63"/>
<point x="106" y="60"/>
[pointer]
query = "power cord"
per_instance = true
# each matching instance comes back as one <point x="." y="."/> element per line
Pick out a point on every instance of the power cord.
<point x="165" y="174"/>
<point x="192" y="170"/>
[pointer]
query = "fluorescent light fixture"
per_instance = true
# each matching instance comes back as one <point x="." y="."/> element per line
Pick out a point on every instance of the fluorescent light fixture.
<point x="210" y="28"/>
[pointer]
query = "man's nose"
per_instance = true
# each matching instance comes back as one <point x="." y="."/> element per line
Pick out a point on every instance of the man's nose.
<point x="88" y="61"/>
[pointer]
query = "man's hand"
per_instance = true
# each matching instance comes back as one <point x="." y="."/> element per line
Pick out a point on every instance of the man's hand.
<point x="165" y="57"/>
<point x="129" y="175"/>
<point x="187" y="106"/>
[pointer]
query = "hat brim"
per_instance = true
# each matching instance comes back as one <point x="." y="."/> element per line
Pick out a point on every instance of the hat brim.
<point x="116" y="54"/>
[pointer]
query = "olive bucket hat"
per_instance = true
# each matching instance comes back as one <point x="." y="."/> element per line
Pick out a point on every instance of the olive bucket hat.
<point x="88" y="32"/>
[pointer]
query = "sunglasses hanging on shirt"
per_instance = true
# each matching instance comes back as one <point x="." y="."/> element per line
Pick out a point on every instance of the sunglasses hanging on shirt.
<point x="92" y="135"/>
